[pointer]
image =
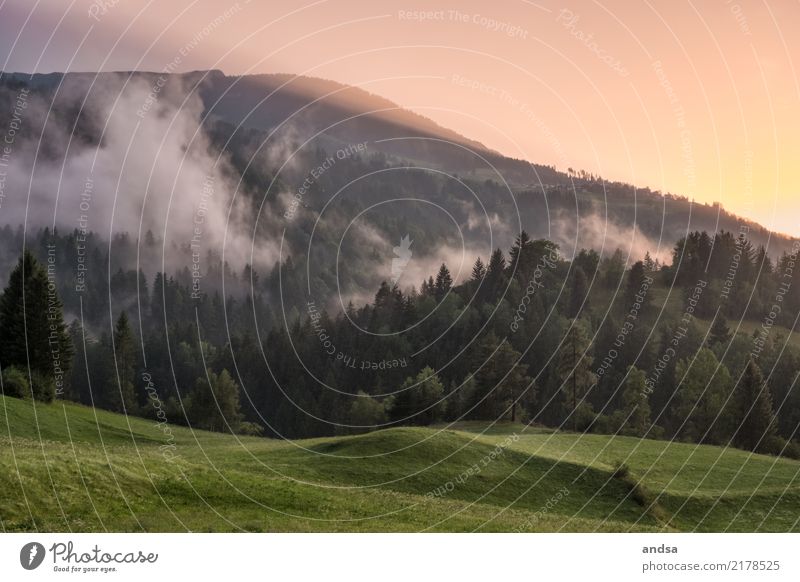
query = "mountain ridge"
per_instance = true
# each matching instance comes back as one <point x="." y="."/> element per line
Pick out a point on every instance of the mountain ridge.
<point x="311" y="108"/>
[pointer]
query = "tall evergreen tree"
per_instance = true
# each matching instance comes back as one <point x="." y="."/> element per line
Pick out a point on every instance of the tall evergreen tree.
<point x="635" y="291"/>
<point x="720" y="333"/>
<point x="649" y="263"/>
<point x="753" y="412"/>
<point x="443" y="282"/>
<point x="495" y="274"/>
<point x="125" y="358"/>
<point x="635" y="405"/>
<point x="501" y="383"/>
<point x="77" y="386"/>
<point x="574" y="372"/>
<point x="704" y="389"/>
<point x="613" y="269"/>
<point x="428" y="288"/>
<point x="588" y="260"/>
<point x="578" y="292"/>
<point x="478" y="270"/>
<point x="518" y="252"/>
<point x="32" y="328"/>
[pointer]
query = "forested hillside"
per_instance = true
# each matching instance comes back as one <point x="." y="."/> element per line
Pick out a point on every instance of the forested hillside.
<point x="293" y="276"/>
<point x="589" y="344"/>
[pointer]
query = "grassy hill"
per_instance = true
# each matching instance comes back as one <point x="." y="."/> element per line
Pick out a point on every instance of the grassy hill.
<point x="66" y="467"/>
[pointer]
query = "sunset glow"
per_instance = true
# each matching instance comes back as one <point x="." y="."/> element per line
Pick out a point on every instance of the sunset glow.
<point x="703" y="104"/>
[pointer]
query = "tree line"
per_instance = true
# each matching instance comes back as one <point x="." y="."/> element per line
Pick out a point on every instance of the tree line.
<point x="589" y="344"/>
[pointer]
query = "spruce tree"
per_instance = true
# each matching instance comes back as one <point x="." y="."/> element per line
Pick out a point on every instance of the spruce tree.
<point x="635" y="405"/>
<point x="649" y="263"/>
<point x="518" y="255"/>
<point x="704" y="389"/>
<point x="32" y="328"/>
<point x="443" y="282"/>
<point x="578" y="292"/>
<point x="77" y="385"/>
<point x="495" y="274"/>
<point x="634" y="291"/>
<point x="478" y="270"/>
<point x="125" y="357"/>
<point x="501" y="383"/>
<point x="574" y="372"/>
<point x="720" y="333"/>
<point x="612" y="269"/>
<point x="754" y="415"/>
<point x="428" y="288"/>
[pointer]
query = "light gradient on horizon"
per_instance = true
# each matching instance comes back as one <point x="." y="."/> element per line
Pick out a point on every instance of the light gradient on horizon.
<point x="698" y="99"/>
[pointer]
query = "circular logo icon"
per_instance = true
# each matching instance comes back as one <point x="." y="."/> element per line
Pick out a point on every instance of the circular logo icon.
<point x="31" y="555"/>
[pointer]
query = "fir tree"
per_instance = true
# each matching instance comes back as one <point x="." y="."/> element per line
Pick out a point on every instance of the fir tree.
<point x="518" y="255"/>
<point x="574" y="372"/>
<point x="443" y="282"/>
<point x="478" y="270"/>
<point x="501" y="382"/>
<point x="77" y="386"/>
<point x="753" y="412"/>
<point x="720" y="333"/>
<point x="495" y="274"/>
<point x="125" y="358"/>
<point x="635" y="405"/>
<point x="578" y="292"/>
<point x="32" y="328"/>
<point x="704" y="388"/>
<point x="649" y="263"/>
<point x="636" y="290"/>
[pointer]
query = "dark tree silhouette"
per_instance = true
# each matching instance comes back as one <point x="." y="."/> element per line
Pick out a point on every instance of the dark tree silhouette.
<point x="754" y="414"/>
<point x="32" y="328"/>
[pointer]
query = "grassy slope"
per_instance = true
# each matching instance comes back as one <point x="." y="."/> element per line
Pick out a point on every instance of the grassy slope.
<point x="68" y="467"/>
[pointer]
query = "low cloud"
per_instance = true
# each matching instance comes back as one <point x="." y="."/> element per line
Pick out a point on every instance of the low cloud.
<point x="152" y="170"/>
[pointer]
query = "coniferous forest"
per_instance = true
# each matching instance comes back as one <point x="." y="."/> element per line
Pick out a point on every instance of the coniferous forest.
<point x="693" y="349"/>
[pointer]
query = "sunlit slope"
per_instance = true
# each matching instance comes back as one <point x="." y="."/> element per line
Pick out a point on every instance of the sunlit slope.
<point x="65" y="467"/>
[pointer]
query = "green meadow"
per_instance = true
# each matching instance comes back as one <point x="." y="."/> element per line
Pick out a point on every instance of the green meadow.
<point x="66" y="467"/>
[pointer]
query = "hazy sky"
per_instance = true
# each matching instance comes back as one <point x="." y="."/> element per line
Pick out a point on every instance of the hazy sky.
<point x="700" y="99"/>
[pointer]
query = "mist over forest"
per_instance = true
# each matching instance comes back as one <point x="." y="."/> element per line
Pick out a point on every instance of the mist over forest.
<point x="260" y="260"/>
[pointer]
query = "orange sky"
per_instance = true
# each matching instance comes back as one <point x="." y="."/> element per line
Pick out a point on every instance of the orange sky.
<point x="699" y="99"/>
